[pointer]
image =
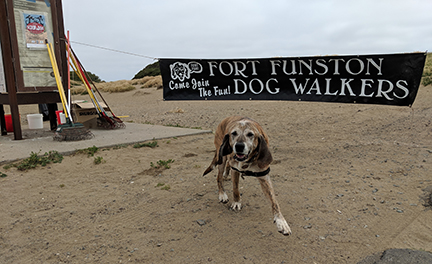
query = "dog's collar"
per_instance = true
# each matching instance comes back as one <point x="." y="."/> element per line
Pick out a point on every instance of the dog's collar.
<point x="253" y="174"/>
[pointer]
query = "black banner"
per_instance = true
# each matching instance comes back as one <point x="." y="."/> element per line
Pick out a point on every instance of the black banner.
<point x="391" y="79"/>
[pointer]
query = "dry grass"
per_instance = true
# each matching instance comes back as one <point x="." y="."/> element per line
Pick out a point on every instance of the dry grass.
<point x="427" y="72"/>
<point x="121" y="86"/>
<point x="155" y="82"/>
<point x="78" y="90"/>
<point x="149" y="82"/>
<point x="142" y="80"/>
<point x="116" y="87"/>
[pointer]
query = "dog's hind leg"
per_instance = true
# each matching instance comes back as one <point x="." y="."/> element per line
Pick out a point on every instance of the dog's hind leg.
<point x="280" y="221"/>
<point x="223" y="197"/>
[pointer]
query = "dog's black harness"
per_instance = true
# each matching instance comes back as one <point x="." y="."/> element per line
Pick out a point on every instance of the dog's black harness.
<point x="253" y="174"/>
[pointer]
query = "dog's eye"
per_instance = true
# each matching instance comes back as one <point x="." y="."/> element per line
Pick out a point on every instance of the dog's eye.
<point x="250" y="134"/>
<point x="234" y="133"/>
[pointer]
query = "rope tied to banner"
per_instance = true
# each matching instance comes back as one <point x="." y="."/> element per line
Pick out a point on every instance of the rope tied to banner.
<point x="113" y="50"/>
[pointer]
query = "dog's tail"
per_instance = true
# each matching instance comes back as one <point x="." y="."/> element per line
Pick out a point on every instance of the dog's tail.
<point x="212" y="165"/>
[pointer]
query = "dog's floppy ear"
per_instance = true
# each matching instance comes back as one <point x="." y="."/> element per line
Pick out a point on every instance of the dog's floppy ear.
<point x="264" y="156"/>
<point x="224" y="149"/>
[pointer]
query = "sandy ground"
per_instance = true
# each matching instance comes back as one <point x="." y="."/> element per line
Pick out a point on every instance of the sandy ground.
<point x="351" y="180"/>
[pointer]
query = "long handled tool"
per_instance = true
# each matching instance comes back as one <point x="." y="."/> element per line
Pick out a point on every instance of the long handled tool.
<point x="104" y="121"/>
<point x="69" y="131"/>
<point x="68" y="72"/>
<point x="99" y="109"/>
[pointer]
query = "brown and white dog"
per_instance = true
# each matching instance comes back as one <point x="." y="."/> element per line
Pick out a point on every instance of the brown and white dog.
<point x="242" y="147"/>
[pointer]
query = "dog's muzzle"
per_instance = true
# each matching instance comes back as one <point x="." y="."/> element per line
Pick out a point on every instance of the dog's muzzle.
<point x="239" y="149"/>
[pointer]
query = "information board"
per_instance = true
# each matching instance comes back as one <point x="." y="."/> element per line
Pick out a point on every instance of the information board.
<point x="33" y="20"/>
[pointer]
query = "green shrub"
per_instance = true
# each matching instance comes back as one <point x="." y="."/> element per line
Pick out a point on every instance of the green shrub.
<point x="92" y="76"/>
<point x="150" y="70"/>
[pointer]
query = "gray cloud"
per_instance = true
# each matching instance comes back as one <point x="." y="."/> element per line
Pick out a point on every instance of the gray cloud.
<point x="239" y="29"/>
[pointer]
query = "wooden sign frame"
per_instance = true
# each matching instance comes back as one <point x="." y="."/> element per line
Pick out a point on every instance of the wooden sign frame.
<point x="28" y="75"/>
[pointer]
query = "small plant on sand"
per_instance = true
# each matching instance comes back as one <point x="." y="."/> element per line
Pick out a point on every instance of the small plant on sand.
<point x="90" y="151"/>
<point x="166" y="187"/>
<point x="98" y="160"/>
<point x="120" y="146"/>
<point x="163" y="186"/>
<point x="34" y="160"/>
<point x="162" y="164"/>
<point x="152" y="144"/>
<point x="2" y="175"/>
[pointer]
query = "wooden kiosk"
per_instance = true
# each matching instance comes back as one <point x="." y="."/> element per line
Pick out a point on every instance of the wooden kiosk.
<point x="26" y="74"/>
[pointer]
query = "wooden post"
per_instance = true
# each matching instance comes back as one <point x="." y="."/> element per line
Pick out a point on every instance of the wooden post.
<point x="17" y="92"/>
<point x="6" y="7"/>
<point x="2" y="121"/>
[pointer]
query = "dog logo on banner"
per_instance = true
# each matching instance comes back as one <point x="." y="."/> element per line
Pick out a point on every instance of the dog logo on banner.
<point x="182" y="71"/>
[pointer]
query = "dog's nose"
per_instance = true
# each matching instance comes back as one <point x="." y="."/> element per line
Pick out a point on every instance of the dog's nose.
<point x="239" y="147"/>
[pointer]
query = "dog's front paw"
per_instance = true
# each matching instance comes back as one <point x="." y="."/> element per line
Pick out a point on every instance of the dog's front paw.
<point x="223" y="197"/>
<point x="282" y="226"/>
<point x="236" y="206"/>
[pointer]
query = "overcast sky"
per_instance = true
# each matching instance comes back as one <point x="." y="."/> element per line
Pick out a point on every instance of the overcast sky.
<point x="240" y="29"/>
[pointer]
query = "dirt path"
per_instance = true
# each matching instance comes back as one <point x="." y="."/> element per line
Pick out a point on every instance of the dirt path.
<point x="351" y="180"/>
